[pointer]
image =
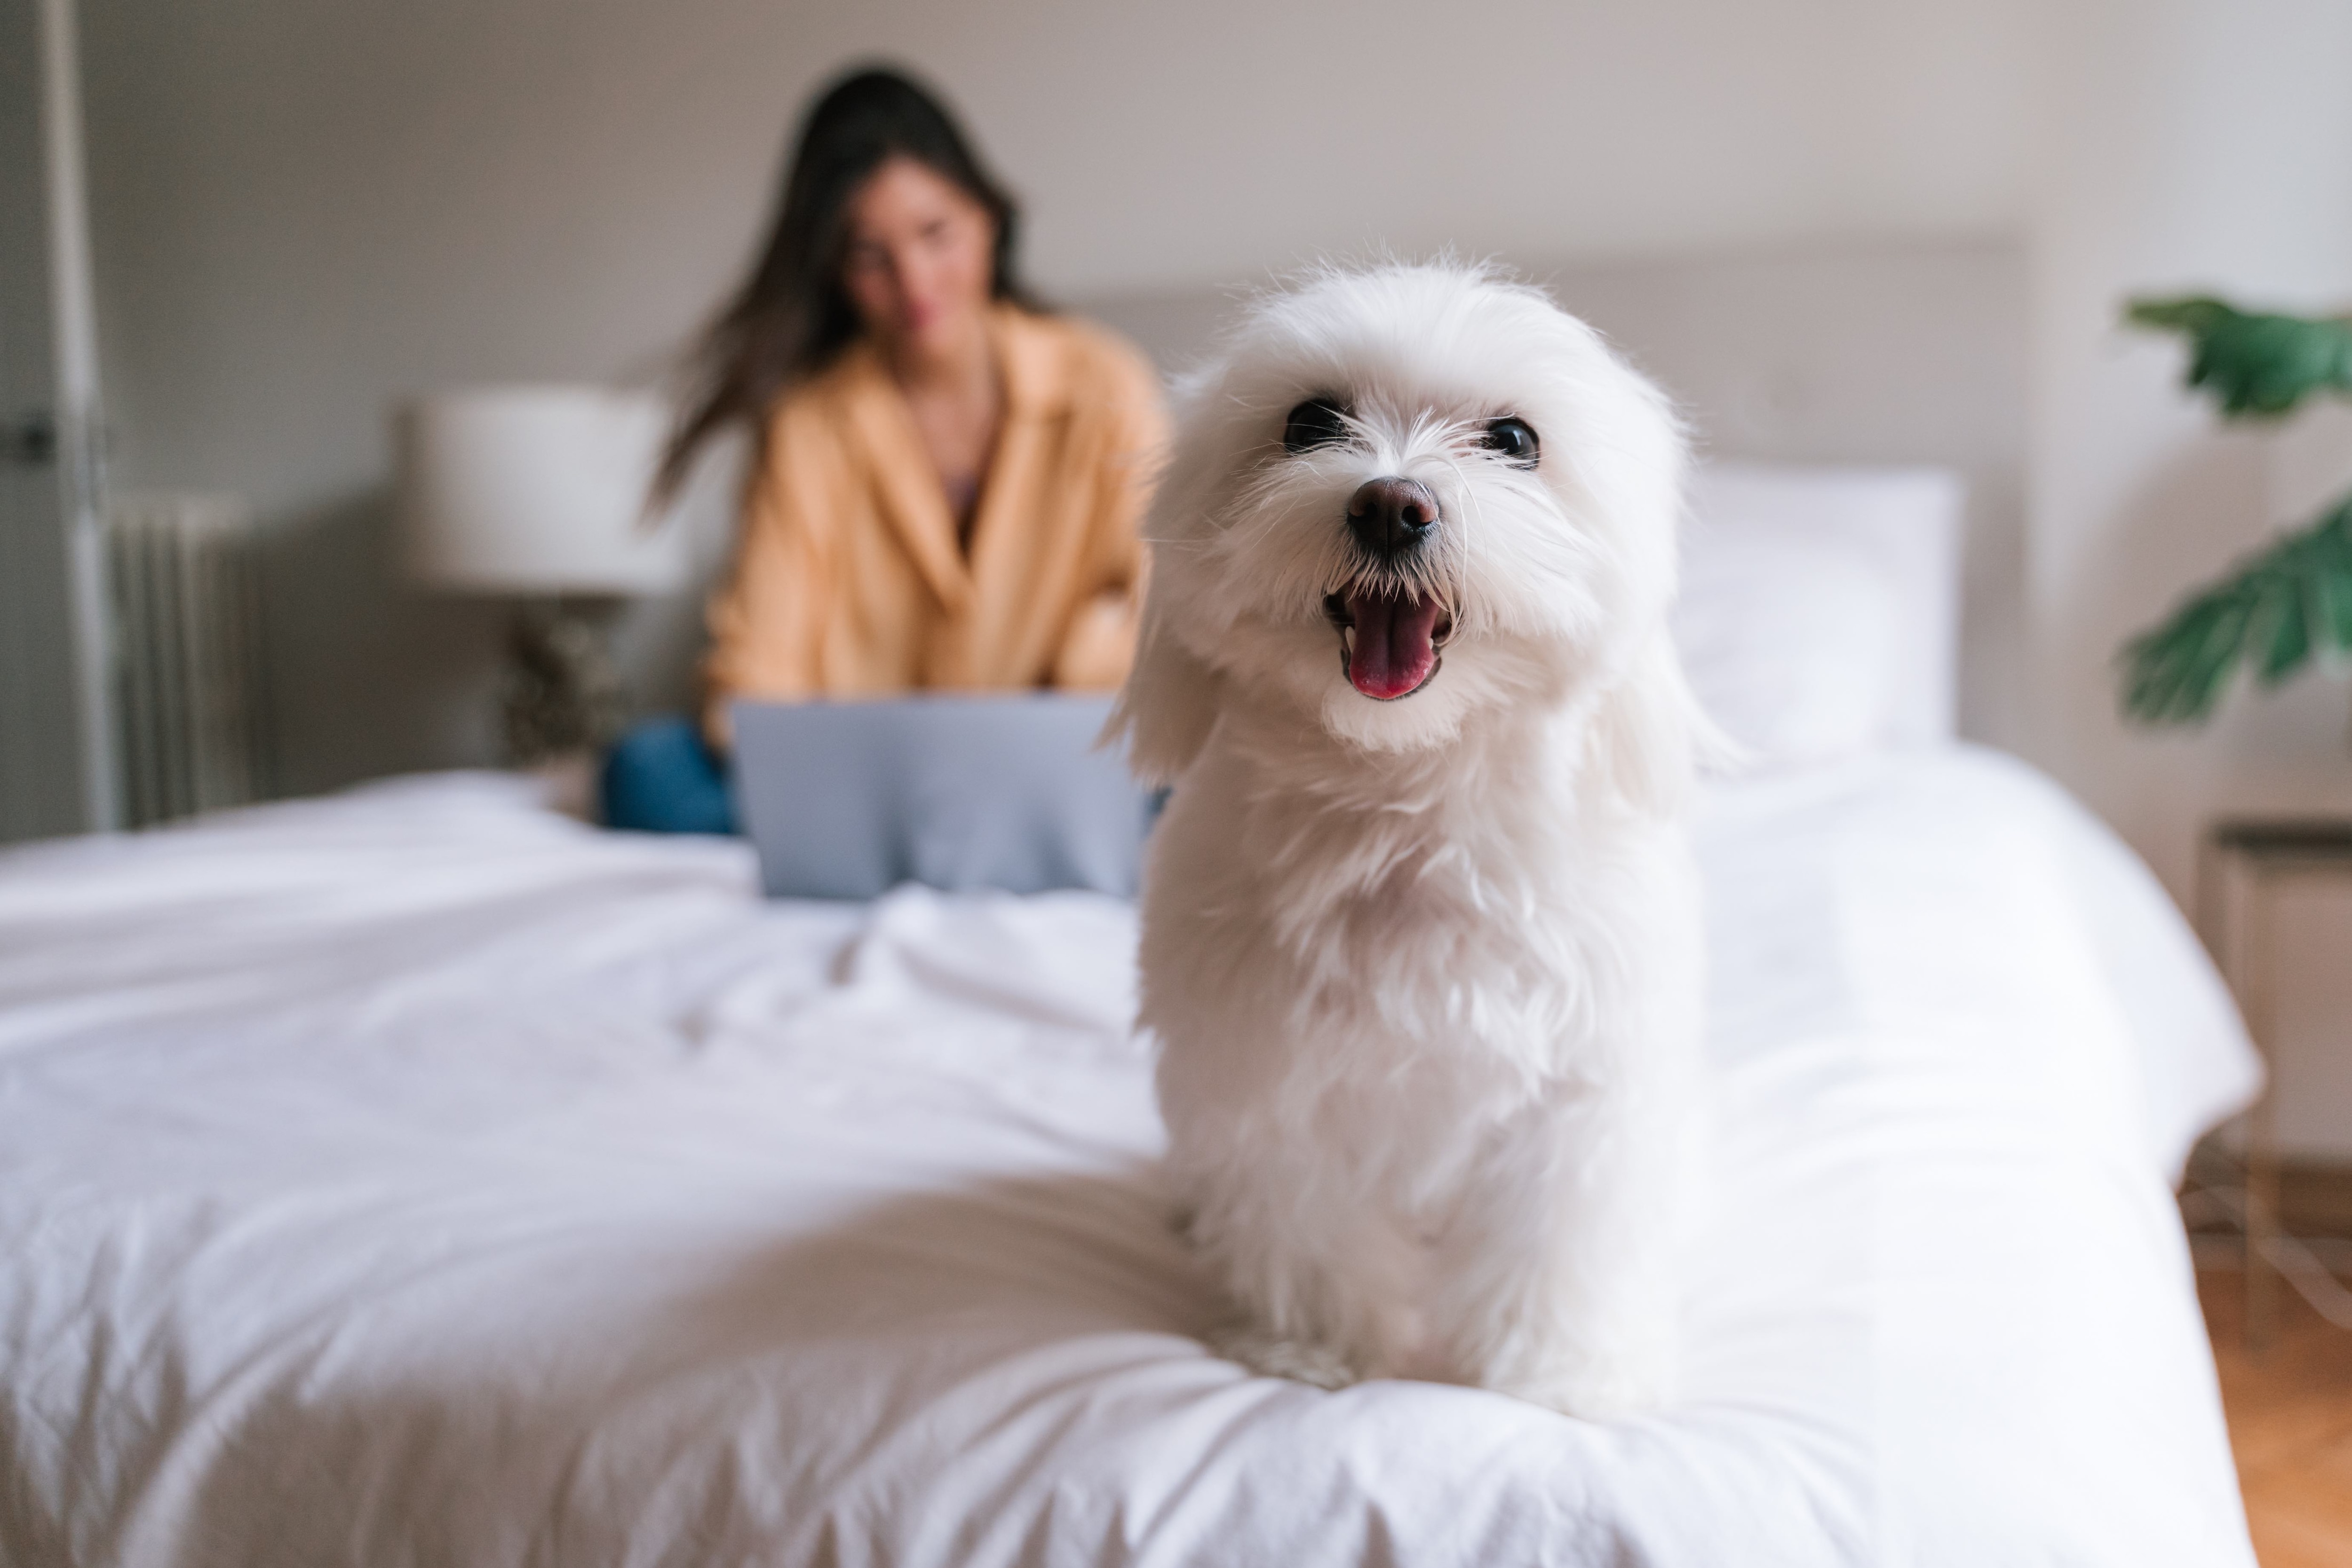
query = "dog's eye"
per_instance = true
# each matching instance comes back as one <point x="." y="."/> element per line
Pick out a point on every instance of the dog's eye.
<point x="1319" y="421"/>
<point x="1512" y="438"/>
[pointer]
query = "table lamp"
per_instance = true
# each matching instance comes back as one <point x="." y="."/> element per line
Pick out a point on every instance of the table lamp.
<point x="539" y="494"/>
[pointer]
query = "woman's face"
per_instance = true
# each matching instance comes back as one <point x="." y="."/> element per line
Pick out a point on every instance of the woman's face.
<point x="920" y="259"/>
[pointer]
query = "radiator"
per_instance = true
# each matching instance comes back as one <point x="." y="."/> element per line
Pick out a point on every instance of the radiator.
<point x="188" y="654"/>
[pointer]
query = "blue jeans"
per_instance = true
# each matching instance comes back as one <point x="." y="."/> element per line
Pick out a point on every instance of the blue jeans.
<point x="662" y="776"/>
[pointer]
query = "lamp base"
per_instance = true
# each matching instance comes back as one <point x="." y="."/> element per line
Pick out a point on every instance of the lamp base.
<point x="563" y="694"/>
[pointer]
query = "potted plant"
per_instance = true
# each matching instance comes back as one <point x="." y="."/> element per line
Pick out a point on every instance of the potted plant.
<point x="2278" y="608"/>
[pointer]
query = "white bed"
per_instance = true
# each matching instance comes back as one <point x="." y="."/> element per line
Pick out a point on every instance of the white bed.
<point x="419" y="1176"/>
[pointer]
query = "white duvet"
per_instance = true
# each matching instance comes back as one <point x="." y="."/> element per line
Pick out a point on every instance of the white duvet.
<point x="418" y="1177"/>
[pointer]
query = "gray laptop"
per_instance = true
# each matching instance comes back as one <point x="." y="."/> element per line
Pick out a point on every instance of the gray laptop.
<point x="847" y="800"/>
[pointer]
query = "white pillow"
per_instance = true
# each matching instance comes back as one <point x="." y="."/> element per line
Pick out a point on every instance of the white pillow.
<point x="1786" y="644"/>
<point x="1819" y="608"/>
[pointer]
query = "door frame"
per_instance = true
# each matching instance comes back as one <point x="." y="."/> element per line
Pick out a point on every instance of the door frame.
<point x="79" y="417"/>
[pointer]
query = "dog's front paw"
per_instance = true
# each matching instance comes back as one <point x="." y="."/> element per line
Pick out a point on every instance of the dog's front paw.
<point x="1270" y="1355"/>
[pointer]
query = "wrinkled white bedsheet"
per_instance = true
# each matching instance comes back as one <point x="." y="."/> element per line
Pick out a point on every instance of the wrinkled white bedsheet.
<point x="415" y="1176"/>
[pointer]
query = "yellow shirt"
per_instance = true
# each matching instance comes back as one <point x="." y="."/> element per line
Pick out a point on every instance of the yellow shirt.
<point x="849" y="581"/>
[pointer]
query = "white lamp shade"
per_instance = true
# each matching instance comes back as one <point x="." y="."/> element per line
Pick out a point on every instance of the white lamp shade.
<point x="536" y="489"/>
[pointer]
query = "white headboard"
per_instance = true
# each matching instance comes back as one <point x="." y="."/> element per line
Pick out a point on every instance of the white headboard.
<point x="1886" y="356"/>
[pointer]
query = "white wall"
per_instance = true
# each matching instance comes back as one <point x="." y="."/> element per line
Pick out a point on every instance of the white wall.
<point x="2192" y="146"/>
<point x="307" y="210"/>
<point x="2186" y="144"/>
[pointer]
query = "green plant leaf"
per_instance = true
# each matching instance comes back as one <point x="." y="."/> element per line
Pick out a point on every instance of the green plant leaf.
<point x="2272" y="609"/>
<point x="2286" y="640"/>
<point x="2332" y="618"/>
<point x="2175" y="673"/>
<point x="2208" y="662"/>
<point x="2255" y="365"/>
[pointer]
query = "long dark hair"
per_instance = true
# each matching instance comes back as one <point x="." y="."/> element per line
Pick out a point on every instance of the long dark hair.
<point x="792" y="316"/>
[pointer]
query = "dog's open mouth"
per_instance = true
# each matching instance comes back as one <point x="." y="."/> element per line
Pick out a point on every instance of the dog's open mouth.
<point x="1390" y="643"/>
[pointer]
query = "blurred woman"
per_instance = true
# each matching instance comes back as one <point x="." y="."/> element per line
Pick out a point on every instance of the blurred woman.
<point x="947" y="480"/>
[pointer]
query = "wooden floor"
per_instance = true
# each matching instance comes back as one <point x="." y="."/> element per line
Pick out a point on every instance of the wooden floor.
<point x="2291" y="1425"/>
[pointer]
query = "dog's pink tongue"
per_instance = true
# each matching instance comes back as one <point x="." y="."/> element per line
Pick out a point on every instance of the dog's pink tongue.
<point x="1394" y="646"/>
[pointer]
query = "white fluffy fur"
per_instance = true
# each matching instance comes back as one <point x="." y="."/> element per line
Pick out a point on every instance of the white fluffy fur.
<point x="1425" y="974"/>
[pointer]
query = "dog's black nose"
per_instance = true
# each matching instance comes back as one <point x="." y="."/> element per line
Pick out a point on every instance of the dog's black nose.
<point x="1390" y="517"/>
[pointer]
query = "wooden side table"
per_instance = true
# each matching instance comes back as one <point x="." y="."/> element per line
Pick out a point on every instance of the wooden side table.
<point x="2240" y="864"/>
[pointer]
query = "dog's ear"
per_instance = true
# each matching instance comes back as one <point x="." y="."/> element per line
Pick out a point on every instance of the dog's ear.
<point x="1647" y="732"/>
<point x="1169" y="704"/>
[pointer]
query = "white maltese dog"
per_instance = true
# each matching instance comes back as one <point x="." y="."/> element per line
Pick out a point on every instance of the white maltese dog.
<point x="1421" y="945"/>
